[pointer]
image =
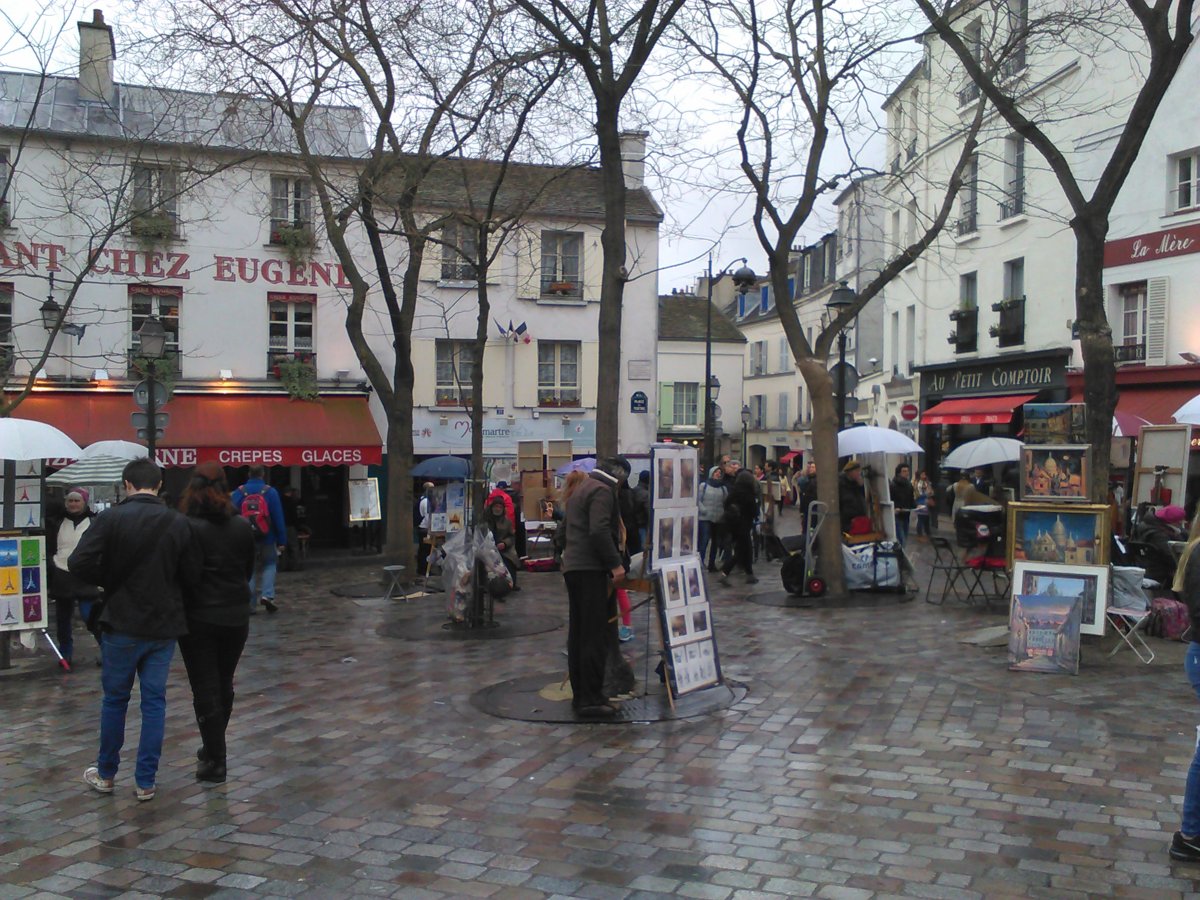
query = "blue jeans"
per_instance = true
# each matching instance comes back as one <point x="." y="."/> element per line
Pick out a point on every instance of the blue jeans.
<point x="902" y="525"/>
<point x="265" y="562"/>
<point x="1191" y="793"/>
<point x="705" y="537"/>
<point x="125" y="656"/>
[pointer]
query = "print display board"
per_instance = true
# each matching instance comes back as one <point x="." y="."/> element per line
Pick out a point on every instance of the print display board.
<point x="685" y="615"/>
<point x="27" y="495"/>
<point x="675" y="516"/>
<point x="22" y="581"/>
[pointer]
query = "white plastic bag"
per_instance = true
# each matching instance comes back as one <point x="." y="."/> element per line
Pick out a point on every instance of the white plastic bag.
<point x="865" y="568"/>
<point x="498" y="578"/>
<point x="456" y="574"/>
<point x="1127" y="592"/>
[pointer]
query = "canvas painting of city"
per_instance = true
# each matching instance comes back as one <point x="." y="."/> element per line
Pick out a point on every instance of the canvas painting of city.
<point x="1069" y="534"/>
<point x="1089" y="584"/>
<point x="1054" y="423"/>
<point x="1043" y="634"/>
<point x="1055" y="472"/>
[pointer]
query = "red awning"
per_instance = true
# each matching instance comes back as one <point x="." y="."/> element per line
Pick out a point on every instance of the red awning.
<point x="975" y="410"/>
<point x="1154" y="404"/>
<point x="231" y="429"/>
<point x="790" y="455"/>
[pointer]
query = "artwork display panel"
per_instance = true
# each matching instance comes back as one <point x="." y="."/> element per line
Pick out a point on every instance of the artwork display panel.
<point x="1054" y="423"/>
<point x="674" y="477"/>
<point x="1055" y="473"/>
<point x="1043" y="634"/>
<point x="23" y="582"/>
<point x="1065" y="533"/>
<point x="1088" y="584"/>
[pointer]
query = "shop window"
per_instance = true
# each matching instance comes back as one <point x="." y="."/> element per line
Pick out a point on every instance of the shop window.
<point x="455" y="369"/>
<point x="687" y="403"/>
<point x="562" y="264"/>
<point x="6" y="323"/>
<point x="1186" y="191"/>
<point x="154" y="207"/>
<point x="290" y="319"/>
<point x="558" y="373"/>
<point x="146" y="300"/>
<point x="460" y="248"/>
<point x="291" y="207"/>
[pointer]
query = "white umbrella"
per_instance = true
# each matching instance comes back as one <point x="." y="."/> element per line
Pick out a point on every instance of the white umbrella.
<point x="27" y="439"/>
<point x="983" y="452"/>
<point x="99" y="470"/>
<point x="1189" y="413"/>
<point x="115" y="450"/>
<point x="872" y="439"/>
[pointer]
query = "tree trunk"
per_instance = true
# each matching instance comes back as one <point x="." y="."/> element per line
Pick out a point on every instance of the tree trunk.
<point x="478" y="485"/>
<point x="612" y="289"/>
<point x="824" y="437"/>
<point x="1095" y="340"/>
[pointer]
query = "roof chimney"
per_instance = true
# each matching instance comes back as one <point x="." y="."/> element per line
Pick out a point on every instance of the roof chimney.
<point x="633" y="158"/>
<point x="97" y="50"/>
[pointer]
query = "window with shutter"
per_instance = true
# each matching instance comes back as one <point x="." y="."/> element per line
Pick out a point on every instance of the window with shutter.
<point x="1156" y="321"/>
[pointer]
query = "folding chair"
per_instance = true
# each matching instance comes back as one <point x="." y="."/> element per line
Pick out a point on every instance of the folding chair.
<point x="946" y="561"/>
<point x="978" y="566"/>
<point x="1130" y="624"/>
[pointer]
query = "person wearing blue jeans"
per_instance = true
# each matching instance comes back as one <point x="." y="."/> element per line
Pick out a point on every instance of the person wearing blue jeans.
<point x="1185" y="843"/>
<point x="141" y="553"/>
<point x="271" y="537"/>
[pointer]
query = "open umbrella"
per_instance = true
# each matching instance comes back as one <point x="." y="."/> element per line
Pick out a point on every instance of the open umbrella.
<point x="577" y="465"/>
<point x="454" y="468"/>
<point x="99" y="470"/>
<point x="1189" y="413"/>
<point x="873" y="439"/>
<point x="27" y="439"/>
<point x="126" y="450"/>
<point x="983" y="452"/>
<point x="1127" y="424"/>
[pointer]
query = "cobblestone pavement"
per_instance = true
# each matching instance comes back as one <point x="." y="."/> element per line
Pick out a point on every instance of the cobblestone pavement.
<point x="873" y="755"/>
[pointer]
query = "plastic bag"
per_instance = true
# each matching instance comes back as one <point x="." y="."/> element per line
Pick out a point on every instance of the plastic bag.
<point x="1127" y="592"/>
<point x="864" y="568"/>
<point x="458" y="560"/>
<point x="497" y="573"/>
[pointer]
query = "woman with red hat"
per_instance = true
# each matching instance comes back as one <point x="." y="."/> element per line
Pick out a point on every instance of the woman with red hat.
<point x="62" y="537"/>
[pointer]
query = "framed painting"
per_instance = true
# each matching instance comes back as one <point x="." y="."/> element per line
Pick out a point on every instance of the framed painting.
<point x="663" y="536"/>
<point x="1072" y="534"/>
<point x="1043" y="634"/>
<point x="1088" y="584"/>
<point x="1057" y="473"/>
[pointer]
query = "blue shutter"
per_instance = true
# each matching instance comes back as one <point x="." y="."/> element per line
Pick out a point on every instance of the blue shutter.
<point x="765" y="298"/>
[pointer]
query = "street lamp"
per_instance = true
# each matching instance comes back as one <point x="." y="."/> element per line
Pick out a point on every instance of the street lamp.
<point x="743" y="279"/>
<point x="152" y="339"/>
<point x="745" y="426"/>
<point x="839" y="301"/>
<point x="51" y="310"/>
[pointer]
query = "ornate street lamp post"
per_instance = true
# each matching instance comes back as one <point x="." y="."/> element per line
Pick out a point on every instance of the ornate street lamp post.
<point x="743" y="279"/>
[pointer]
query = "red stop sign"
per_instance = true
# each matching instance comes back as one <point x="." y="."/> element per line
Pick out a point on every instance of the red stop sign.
<point x="909" y="412"/>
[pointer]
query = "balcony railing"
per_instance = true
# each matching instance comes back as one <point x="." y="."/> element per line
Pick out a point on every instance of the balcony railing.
<point x="1015" y="63"/>
<point x="562" y="287"/>
<point x="968" y="94"/>
<point x="1125" y="353"/>
<point x="1010" y="330"/>
<point x="275" y="357"/>
<point x="1014" y="203"/>
<point x="965" y="336"/>
<point x="968" y="222"/>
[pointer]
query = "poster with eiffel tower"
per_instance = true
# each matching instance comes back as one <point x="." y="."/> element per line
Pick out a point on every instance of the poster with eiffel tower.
<point x="23" y="601"/>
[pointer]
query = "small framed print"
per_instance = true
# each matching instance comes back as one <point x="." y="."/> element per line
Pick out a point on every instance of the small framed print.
<point x="664" y="479"/>
<point x="699" y="621"/>
<point x="673" y="586"/>
<point x="693" y="582"/>
<point x="677" y="625"/>
<point x="687" y="476"/>
<point x="686" y="533"/>
<point x="663" y="536"/>
<point x="1087" y="584"/>
<point x="1057" y="473"/>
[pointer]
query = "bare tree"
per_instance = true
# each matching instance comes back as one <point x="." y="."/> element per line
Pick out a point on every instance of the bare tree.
<point x="1155" y="37"/>
<point x="799" y="72"/>
<point x="610" y="42"/>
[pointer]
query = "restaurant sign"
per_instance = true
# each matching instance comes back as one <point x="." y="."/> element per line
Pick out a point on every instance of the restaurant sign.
<point x="1021" y="375"/>
<point x="1155" y="245"/>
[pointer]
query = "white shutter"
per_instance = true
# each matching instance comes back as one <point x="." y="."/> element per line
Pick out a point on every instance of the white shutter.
<point x="525" y="375"/>
<point x="424" y="361"/>
<point x="589" y="373"/>
<point x="783" y="354"/>
<point x="495" y="374"/>
<point x="783" y="411"/>
<point x="754" y="357"/>
<point x="1156" y="321"/>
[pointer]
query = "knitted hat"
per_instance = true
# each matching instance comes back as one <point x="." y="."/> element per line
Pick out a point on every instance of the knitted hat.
<point x="1172" y="515"/>
<point x="79" y="492"/>
<point x="851" y="466"/>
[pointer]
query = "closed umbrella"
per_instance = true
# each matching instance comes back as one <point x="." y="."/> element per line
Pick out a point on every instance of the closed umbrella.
<point x="454" y="468"/>
<point x="983" y="452"/>
<point x="27" y="439"/>
<point x="873" y="439"/>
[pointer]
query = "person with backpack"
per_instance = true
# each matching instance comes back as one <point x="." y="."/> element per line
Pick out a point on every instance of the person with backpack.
<point x="1185" y="843"/>
<point x="259" y="503"/>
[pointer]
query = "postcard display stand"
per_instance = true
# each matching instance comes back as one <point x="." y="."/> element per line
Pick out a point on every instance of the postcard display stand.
<point x="1058" y="543"/>
<point x="681" y="592"/>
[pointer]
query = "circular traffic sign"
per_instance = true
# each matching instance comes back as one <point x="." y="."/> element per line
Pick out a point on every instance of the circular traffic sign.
<point x="909" y="412"/>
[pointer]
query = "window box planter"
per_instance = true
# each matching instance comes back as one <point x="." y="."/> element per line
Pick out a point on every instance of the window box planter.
<point x="152" y="229"/>
<point x="297" y="241"/>
<point x="562" y="288"/>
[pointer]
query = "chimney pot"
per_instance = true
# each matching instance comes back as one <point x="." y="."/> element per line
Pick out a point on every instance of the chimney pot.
<point x="633" y="158"/>
<point x="97" y="51"/>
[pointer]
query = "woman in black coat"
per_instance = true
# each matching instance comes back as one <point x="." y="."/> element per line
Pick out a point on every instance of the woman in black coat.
<point x="218" y="610"/>
<point x="741" y="509"/>
<point x="63" y="531"/>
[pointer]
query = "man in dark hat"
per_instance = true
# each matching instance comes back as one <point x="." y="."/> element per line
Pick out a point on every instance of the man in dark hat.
<point x="592" y="569"/>
<point x="852" y="497"/>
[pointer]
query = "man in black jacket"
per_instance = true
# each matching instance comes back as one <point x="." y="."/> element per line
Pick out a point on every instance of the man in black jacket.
<point x="140" y="553"/>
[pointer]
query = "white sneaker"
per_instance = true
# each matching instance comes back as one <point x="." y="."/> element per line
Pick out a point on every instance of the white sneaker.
<point x="144" y="794"/>
<point x="91" y="776"/>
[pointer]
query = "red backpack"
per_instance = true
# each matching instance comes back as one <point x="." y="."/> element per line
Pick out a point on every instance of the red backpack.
<point x="254" y="510"/>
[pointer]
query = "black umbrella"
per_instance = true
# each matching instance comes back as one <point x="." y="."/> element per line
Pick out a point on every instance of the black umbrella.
<point x="452" y="467"/>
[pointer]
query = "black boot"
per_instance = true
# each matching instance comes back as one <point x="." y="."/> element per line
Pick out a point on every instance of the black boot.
<point x="212" y="771"/>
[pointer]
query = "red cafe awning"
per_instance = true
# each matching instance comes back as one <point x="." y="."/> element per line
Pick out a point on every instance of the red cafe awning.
<point x="231" y="429"/>
<point x="1156" y="404"/>
<point x="975" y="410"/>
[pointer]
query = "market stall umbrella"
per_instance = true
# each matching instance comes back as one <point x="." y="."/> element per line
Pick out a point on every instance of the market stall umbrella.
<point x="27" y="439"/>
<point x="1127" y="424"/>
<point x="1189" y="413"/>
<point x="125" y="450"/>
<point x="873" y="439"/>
<point x="98" y="470"/>
<point x="984" y="452"/>
<point x="577" y="465"/>
<point x="454" y="468"/>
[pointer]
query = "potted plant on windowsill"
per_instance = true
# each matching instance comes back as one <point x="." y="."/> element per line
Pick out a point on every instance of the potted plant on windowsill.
<point x="562" y="288"/>
<point x="153" y="228"/>
<point x="298" y="377"/>
<point x="297" y="241"/>
<point x="1011" y="303"/>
